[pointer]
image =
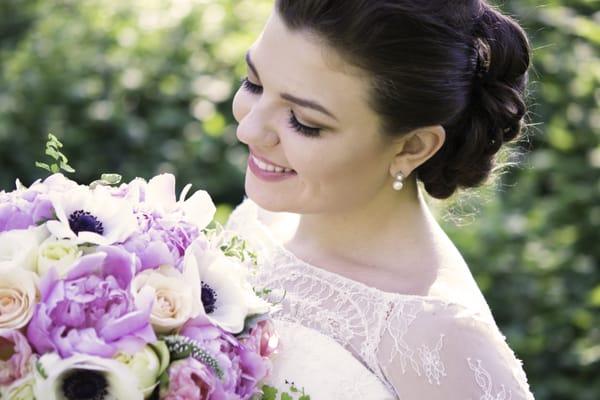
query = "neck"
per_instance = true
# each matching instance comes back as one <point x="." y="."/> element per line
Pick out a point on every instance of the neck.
<point x="392" y="232"/>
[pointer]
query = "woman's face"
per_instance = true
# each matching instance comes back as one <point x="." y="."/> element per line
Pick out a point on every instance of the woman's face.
<point x="302" y="110"/>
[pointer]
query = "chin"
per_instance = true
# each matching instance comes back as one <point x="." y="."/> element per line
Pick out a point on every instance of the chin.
<point x="267" y="199"/>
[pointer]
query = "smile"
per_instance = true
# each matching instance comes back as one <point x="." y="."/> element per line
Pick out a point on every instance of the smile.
<point x="265" y="166"/>
<point x="268" y="171"/>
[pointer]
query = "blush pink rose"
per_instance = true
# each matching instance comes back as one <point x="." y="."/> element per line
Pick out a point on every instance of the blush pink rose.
<point x="263" y="339"/>
<point x="15" y="355"/>
<point x="190" y="379"/>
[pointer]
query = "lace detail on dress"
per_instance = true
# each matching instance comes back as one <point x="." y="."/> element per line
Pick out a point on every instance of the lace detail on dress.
<point x="350" y="316"/>
<point x="424" y="360"/>
<point x="374" y="325"/>
<point x="396" y="325"/>
<point x="484" y="381"/>
<point x="432" y="364"/>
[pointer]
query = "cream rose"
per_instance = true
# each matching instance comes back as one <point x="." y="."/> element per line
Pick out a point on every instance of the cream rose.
<point x="57" y="254"/>
<point x="18" y="295"/>
<point x="176" y="296"/>
<point x="147" y="365"/>
<point x="20" y="390"/>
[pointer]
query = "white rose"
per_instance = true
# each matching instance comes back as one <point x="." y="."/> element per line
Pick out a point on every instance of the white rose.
<point x="176" y="296"/>
<point x="147" y="365"/>
<point x="19" y="390"/>
<point x="18" y="248"/>
<point x="57" y="254"/>
<point x="18" y="295"/>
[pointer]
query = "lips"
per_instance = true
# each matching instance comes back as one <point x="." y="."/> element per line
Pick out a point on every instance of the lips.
<point x="268" y="166"/>
<point x="267" y="170"/>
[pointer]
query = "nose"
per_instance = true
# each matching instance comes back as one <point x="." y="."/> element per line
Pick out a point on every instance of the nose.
<point x="255" y="126"/>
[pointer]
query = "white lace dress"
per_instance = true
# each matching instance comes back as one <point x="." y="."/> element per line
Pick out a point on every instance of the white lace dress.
<point x="420" y="347"/>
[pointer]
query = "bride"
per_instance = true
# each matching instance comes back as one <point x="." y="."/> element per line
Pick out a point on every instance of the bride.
<point x="346" y="107"/>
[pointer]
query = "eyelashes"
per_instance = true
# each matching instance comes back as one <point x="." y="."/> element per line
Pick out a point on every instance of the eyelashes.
<point x="303" y="129"/>
<point x="293" y="121"/>
<point x="251" y="87"/>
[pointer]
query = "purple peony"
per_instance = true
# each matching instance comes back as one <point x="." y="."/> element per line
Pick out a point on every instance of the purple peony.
<point x="242" y="365"/>
<point x="92" y="311"/>
<point x="27" y="207"/>
<point x="23" y="209"/>
<point x="161" y="242"/>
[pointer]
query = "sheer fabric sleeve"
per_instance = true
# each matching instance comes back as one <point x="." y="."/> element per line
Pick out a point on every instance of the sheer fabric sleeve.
<point x="439" y="352"/>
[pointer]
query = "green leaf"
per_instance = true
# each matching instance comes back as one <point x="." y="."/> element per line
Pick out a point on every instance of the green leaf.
<point x="43" y="166"/>
<point x="111" y="179"/>
<point x="269" y="393"/>
<point x="285" y="396"/>
<point x="163" y="381"/>
<point x="54" y="140"/>
<point x="41" y="370"/>
<point x="52" y="153"/>
<point x="52" y="150"/>
<point x="67" y="168"/>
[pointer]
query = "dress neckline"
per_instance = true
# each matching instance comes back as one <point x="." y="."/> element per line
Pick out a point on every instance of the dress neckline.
<point x="276" y="245"/>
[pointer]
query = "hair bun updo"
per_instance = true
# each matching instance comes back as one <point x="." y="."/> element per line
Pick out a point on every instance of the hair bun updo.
<point x="460" y="64"/>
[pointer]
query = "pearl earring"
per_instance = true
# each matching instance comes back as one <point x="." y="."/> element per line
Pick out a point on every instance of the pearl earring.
<point x="399" y="182"/>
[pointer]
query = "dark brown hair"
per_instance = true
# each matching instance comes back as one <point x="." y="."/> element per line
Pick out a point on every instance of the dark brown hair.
<point x="457" y="63"/>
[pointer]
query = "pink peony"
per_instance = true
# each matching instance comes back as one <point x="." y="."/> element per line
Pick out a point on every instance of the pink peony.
<point x="263" y="338"/>
<point x="190" y="379"/>
<point x="15" y="355"/>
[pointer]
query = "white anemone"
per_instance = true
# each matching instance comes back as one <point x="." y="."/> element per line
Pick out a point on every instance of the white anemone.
<point x="227" y="296"/>
<point x="91" y="216"/>
<point x="198" y="210"/>
<point x="84" y="376"/>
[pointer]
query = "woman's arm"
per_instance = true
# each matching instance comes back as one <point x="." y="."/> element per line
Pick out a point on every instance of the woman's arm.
<point x="447" y="352"/>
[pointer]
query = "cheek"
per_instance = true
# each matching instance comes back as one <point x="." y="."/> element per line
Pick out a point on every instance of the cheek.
<point x="337" y="171"/>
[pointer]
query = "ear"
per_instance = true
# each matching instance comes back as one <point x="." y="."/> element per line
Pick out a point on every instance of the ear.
<point x="416" y="147"/>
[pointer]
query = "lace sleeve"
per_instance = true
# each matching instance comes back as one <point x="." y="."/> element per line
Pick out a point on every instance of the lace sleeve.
<point x="434" y="351"/>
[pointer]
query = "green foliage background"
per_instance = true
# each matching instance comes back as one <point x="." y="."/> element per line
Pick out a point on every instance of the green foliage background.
<point x="145" y="86"/>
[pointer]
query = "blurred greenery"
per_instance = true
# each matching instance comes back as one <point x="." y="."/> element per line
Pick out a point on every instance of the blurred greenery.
<point x="145" y="86"/>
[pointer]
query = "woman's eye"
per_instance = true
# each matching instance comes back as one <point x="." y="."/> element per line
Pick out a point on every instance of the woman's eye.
<point x="251" y="87"/>
<point x="303" y="129"/>
<point x="294" y="123"/>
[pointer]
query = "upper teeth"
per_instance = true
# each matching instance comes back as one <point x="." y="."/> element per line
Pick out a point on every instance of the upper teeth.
<point x="269" y="167"/>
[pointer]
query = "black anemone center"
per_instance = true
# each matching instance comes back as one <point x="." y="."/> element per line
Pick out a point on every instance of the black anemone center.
<point x="83" y="221"/>
<point x="84" y="384"/>
<point x="209" y="298"/>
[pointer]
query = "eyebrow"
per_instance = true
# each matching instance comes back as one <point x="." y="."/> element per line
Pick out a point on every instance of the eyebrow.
<point x="301" y="102"/>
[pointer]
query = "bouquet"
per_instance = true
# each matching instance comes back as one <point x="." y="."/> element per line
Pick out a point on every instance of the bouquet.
<point x="112" y="291"/>
<point x="122" y="291"/>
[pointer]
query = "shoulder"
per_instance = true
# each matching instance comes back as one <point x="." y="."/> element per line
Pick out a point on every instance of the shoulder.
<point x="437" y="350"/>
